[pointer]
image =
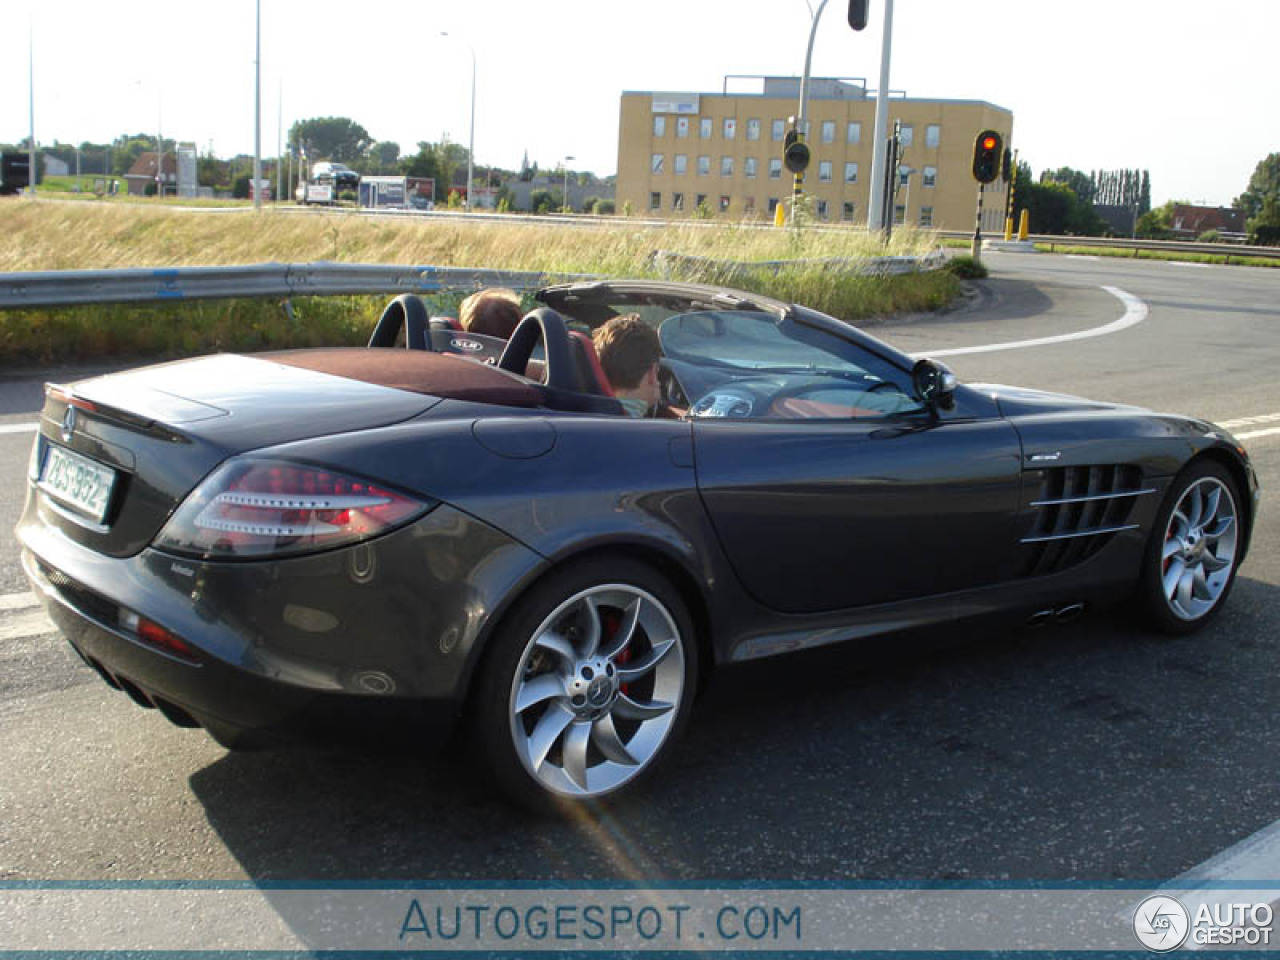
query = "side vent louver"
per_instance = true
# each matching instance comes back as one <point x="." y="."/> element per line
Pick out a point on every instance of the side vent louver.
<point x="1076" y="513"/>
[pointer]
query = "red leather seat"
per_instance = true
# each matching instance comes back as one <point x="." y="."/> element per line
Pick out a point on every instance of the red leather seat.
<point x="591" y="377"/>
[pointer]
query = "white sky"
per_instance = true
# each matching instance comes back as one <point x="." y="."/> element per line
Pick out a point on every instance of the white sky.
<point x="1186" y="88"/>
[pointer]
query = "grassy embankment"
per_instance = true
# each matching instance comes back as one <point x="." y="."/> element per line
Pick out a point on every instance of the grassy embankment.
<point x="1080" y="247"/>
<point x="66" y="236"/>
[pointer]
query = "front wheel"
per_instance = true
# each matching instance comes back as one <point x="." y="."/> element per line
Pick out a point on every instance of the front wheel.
<point x="1191" y="559"/>
<point x="590" y="680"/>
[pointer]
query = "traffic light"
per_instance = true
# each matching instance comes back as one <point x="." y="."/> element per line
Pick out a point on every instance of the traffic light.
<point x="988" y="151"/>
<point x="1006" y="168"/>
<point x="795" y="152"/>
<point x="857" y="14"/>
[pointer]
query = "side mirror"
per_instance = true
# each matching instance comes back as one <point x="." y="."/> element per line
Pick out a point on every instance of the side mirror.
<point x="934" y="383"/>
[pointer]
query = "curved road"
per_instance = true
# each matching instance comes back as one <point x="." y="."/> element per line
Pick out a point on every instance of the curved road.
<point x="1087" y="752"/>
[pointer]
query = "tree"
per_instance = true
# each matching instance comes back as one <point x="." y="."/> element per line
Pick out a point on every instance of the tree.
<point x="422" y="163"/>
<point x="1081" y="184"/>
<point x="1264" y="183"/>
<point x="1157" y="224"/>
<point x="383" y="156"/>
<point x="330" y="138"/>
<point x="1053" y="207"/>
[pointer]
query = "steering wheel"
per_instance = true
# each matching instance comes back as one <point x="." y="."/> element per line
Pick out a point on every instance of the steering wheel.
<point x="548" y="326"/>
<point x="405" y="311"/>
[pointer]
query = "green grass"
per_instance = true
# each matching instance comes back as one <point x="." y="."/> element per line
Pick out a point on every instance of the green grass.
<point x="1226" y="257"/>
<point x="59" y="236"/>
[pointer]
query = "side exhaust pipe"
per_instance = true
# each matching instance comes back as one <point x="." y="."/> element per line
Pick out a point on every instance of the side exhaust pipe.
<point x="1068" y="613"/>
<point x="1040" y="618"/>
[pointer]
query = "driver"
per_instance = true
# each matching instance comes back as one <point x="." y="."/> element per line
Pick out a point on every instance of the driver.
<point x="629" y="352"/>
<point x="490" y="313"/>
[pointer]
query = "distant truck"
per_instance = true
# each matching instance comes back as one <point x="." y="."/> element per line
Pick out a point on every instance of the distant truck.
<point x="15" y="172"/>
<point x="397" y="193"/>
<point x="328" y="180"/>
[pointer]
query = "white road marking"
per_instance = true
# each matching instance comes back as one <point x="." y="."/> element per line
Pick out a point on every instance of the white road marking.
<point x="1135" y="311"/>
<point x="1249" y="865"/>
<point x="1080" y="256"/>
<point x="1253" y="435"/>
<point x="18" y="601"/>
<point x="1250" y="421"/>
<point x="30" y="623"/>
<point x="1189" y="263"/>
<point x="19" y="427"/>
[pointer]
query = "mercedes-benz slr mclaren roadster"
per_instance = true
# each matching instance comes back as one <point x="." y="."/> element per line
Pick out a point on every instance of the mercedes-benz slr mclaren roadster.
<point x="459" y="528"/>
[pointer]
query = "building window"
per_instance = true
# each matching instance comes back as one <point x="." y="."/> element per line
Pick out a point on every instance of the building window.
<point x="824" y="171"/>
<point x="904" y="175"/>
<point x="655" y="201"/>
<point x="847" y="214"/>
<point x="930" y="177"/>
<point x="704" y="166"/>
<point x="773" y="205"/>
<point x="749" y="205"/>
<point x="749" y="166"/>
<point x="753" y="129"/>
<point x="724" y="203"/>
<point x="657" y="162"/>
<point x="659" y="126"/>
<point x="682" y="127"/>
<point x="899" y="214"/>
<point x="851" y="172"/>
<point x="778" y="130"/>
<point x="854" y="133"/>
<point x="704" y="127"/>
<point x="730" y="128"/>
<point x="775" y="168"/>
<point x="828" y="131"/>
<point x="906" y="134"/>
<point x="726" y="166"/>
<point x="932" y="135"/>
<point x="682" y="164"/>
<point x="701" y="200"/>
<point x="822" y="209"/>
<point x="926" y="216"/>
<point x="677" y="201"/>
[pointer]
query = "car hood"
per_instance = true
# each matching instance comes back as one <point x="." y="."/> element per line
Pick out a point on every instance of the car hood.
<point x="1024" y="401"/>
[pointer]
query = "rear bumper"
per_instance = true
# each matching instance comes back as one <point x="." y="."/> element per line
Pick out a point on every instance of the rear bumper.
<point x="331" y="646"/>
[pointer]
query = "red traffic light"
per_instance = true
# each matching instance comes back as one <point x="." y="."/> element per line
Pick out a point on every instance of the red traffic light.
<point x="987" y="149"/>
<point x="989" y="143"/>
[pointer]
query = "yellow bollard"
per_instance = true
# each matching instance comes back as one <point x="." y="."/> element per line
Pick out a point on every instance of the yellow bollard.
<point x="1008" y="228"/>
<point x="779" y="215"/>
<point x="1023" y="227"/>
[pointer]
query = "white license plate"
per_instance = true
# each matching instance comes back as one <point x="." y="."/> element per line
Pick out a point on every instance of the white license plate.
<point x="77" y="482"/>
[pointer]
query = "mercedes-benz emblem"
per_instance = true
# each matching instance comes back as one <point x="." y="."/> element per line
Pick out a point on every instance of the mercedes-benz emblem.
<point x="69" y="424"/>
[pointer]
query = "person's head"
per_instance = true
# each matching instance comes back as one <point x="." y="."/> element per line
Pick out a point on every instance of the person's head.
<point x="629" y="352"/>
<point x="491" y="313"/>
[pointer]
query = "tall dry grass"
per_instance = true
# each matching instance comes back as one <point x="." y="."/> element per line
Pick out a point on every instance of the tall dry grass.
<point x="46" y="235"/>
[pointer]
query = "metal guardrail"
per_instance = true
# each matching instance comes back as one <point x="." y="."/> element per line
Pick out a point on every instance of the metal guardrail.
<point x="1052" y="241"/>
<point x="680" y="264"/>
<point x="64" y="288"/>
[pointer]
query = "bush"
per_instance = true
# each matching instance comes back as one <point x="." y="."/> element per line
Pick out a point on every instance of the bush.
<point x="1210" y="236"/>
<point x="967" y="268"/>
<point x="1265" y="235"/>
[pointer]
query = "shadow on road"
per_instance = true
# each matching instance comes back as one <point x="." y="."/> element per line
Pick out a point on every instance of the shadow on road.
<point x="1089" y="751"/>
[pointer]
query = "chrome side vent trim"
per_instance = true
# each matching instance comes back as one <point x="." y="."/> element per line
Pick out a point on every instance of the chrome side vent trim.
<point x="1077" y="512"/>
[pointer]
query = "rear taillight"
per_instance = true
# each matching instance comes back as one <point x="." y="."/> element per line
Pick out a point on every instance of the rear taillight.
<point x="264" y="508"/>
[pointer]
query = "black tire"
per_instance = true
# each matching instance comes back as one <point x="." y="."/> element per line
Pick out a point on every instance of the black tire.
<point x="600" y="710"/>
<point x="1210" y="542"/>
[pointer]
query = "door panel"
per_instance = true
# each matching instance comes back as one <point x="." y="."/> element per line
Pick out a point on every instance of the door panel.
<point x="827" y="515"/>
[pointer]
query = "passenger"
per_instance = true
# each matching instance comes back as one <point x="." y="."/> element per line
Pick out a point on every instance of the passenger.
<point x="629" y="352"/>
<point x="491" y="313"/>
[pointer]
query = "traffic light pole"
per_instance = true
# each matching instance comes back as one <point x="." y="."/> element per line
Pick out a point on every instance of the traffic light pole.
<point x="976" y="249"/>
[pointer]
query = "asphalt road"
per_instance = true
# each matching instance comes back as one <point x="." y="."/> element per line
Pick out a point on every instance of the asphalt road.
<point x="1092" y="752"/>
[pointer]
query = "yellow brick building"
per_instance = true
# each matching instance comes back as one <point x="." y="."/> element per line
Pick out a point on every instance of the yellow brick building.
<point x="723" y="151"/>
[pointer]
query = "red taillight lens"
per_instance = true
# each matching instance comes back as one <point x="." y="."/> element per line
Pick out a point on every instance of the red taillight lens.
<point x="260" y="508"/>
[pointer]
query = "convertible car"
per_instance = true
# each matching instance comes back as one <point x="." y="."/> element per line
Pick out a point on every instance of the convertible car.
<point x="441" y="527"/>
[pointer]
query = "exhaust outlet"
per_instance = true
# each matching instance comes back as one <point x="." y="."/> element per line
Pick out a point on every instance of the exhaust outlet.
<point x="1068" y="613"/>
<point x="1040" y="618"/>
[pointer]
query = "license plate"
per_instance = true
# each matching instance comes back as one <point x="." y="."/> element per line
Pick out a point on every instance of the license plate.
<point x="77" y="482"/>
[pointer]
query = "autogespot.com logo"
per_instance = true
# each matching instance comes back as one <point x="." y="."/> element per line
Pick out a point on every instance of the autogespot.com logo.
<point x="1161" y="924"/>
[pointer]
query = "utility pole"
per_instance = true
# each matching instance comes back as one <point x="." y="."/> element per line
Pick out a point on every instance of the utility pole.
<point x="257" y="109"/>
<point x="31" y="87"/>
<point x="877" y="218"/>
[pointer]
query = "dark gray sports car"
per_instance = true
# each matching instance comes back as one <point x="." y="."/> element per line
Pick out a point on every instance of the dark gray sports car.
<point x="276" y="544"/>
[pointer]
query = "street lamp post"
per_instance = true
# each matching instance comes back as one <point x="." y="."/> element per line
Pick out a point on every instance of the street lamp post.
<point x="471" y="137"/>
<point x="565" y="163"/>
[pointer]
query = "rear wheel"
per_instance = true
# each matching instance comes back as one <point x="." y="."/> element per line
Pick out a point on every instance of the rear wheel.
<point x="1194" y="550"/>
<point x="590" y="680"/>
